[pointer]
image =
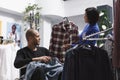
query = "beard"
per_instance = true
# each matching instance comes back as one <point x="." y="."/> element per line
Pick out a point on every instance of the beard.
<point x="37" y="43"/>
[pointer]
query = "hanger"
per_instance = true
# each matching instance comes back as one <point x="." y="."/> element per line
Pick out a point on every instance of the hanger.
<point x="82" y="45"/>
<point x="66" y="20"/>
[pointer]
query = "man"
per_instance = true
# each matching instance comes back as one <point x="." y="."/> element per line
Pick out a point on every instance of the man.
<point x="40" y="57"/>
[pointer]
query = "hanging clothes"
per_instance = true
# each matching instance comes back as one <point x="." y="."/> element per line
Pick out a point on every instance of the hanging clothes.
<point x="108" y="45"/>
<point x="116" y="49"/>
<point x="87" y="63"/>
<point x="62" y="34"/>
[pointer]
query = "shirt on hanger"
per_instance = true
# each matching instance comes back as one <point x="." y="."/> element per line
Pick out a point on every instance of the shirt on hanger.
<point x="62" y="35"/>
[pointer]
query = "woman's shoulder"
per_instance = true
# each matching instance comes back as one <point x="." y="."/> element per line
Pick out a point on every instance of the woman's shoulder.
<point x="95" y="27"/>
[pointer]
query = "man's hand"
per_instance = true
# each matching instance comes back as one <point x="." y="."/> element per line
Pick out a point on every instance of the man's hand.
<point x="42" y="59"/>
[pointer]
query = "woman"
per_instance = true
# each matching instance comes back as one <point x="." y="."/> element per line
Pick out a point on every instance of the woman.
<point x="91" y="18"/>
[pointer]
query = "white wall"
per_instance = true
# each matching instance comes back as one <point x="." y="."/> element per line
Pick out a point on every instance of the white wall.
<point x="15" y="5"/>
<point x="45" y="33"/>
<point x="51" y="7"/>
<point x="77" y="7"/>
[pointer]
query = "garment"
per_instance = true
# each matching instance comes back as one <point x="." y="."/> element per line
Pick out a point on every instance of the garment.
<point x="24" y="57"/>
<point x="108" y="46"/>
<point x="88" y="30"/>
<point x="61" y="35"/>
<point x="87" y="63"/>
<point x="51" y="70"/>
<point x="13" y="37"/>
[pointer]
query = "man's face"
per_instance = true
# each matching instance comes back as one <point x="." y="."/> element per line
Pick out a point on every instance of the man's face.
<point x="36" y="39"/>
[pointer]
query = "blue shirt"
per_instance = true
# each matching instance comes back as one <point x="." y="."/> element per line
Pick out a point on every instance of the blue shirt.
<point x="88" y="30"/>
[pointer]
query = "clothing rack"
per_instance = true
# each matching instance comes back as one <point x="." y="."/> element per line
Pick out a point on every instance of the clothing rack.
<point x="91" y="39"/>
<point x="88" y="37"/>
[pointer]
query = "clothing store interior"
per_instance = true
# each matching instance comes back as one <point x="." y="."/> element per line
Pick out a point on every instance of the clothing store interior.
<point x="59" y="40"/>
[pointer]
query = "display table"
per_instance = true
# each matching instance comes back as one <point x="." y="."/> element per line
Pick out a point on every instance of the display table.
<point x="7" y="56"/>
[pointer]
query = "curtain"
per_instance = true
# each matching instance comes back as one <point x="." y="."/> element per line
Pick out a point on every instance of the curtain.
<point x="116" y="49"/>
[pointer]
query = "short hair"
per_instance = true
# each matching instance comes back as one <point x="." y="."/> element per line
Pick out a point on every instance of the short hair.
<point x="92" y="15"/>
<point x="29" y="33"/>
